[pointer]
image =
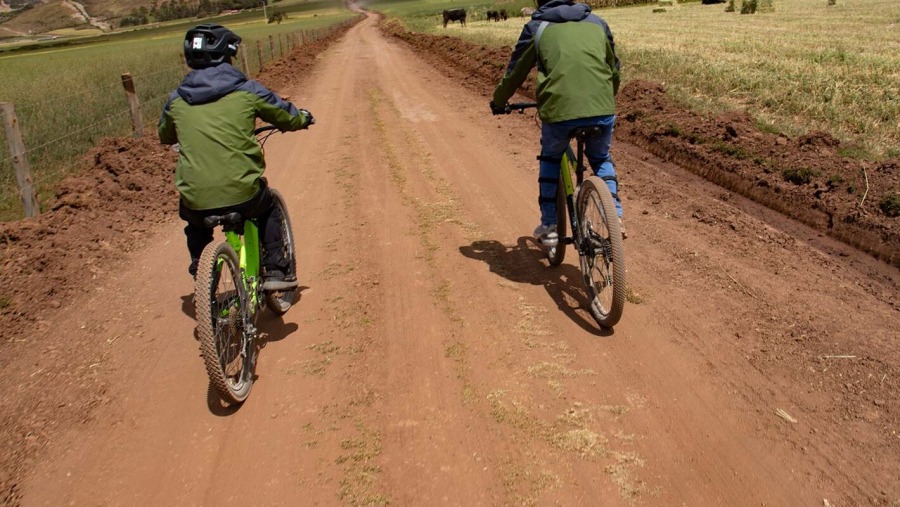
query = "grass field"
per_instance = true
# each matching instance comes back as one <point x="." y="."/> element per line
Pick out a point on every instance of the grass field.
<point x="68" y="97"/>
<point x="807" y="66"/>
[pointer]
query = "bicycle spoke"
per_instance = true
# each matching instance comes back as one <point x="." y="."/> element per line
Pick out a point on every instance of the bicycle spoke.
<point x="601" y="265"/>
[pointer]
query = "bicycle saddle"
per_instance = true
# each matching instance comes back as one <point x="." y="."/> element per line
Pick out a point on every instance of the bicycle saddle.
<point x="229" y="219"/>
<point x="587" y="132"/>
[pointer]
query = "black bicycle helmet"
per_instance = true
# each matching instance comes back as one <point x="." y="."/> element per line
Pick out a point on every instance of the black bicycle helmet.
<point x="209" y="45"/>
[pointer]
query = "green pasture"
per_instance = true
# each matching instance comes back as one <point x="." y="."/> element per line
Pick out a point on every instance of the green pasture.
<point x="69" y="97"/>
<point x="806" y="66"/>
<point x="426" y="15"/>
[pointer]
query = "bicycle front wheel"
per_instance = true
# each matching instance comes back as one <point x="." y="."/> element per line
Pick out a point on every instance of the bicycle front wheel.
<point x="602" y="252"/>
<point x="221" y="300"/>
<point x="281" y="301"/>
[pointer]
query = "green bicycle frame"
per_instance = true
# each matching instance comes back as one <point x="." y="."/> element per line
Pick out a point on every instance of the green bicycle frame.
<point x="247" y="249"/>
<point x="565" y="176"/>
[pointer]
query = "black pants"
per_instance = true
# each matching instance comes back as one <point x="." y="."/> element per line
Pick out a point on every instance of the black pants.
<point x="261" y="207"/>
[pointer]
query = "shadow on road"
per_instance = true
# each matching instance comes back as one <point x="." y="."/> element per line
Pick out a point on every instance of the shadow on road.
<point x="272" y="328"/>
<point x="524" y="263"/>
<point x="187" y="305"/>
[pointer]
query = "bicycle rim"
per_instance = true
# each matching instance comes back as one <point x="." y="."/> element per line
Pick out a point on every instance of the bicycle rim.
<point x="221" y="299"/>
<point x="281" y="301"/>
<point x="602" y="256"/>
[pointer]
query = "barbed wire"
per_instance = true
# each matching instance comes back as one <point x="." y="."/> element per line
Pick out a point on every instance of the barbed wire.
<point x="44" y="103"/>
<point x="10" y="196"/>
<point x="168" y="69"/>
<point x="70" y="134"/>
<point x="56" y="172"/>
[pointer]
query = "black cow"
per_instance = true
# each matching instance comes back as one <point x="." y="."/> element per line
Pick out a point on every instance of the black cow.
<point x="503" y="14"/>
<point x="493" y="16"/>
<point x="455" y="15"/>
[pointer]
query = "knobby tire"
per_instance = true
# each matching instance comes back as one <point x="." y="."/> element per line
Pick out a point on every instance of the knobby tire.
<point x="605" y="281"/>
<point x="220" y="323"/>
<point x="280" y="301"/>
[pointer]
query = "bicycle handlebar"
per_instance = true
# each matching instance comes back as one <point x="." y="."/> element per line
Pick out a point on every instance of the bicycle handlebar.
<point x="264" y="128"/>
<point x="508" y="108"/>
<point x="521" y="106"/>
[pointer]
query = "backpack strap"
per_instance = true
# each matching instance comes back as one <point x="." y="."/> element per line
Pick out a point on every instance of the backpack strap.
<point x="537" y="40"/>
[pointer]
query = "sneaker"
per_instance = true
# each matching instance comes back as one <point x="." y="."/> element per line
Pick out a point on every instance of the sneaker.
<point x="275" y="280"/>
<point x="546" y="235"/>
<point x="622" y="227"/>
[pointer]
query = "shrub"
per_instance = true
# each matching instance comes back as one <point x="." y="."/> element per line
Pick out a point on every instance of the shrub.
<point x="730" y="6"/>
<point x="766" y="6"/>
<point x="799" y="176"/>
<point x="748" y="7"/>
<point x="890" y="204"/>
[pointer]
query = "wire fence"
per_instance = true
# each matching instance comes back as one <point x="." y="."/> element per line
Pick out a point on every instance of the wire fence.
<point x="58" y="131"/>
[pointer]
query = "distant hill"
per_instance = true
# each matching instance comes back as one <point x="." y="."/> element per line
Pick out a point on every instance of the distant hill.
<point x="35" y="17"/>
<point x="41" y="16"/>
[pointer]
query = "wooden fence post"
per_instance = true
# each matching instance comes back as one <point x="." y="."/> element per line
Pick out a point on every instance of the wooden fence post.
<point x="272" y="46"/>
<point x="244" y="63"/>
<point x="259" y="51"/>
<point x="134" y="105"/>
<point x="19" y="159"/>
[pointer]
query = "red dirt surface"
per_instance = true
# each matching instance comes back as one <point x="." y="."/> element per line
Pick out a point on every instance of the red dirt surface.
<point x="435" y="359"/>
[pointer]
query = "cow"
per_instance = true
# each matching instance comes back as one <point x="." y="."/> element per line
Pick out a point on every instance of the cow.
<point x="503" y="14"/>
<point x="493" y="16"/>
<point x="455" y="15"/>
<point x="527" y="12"/>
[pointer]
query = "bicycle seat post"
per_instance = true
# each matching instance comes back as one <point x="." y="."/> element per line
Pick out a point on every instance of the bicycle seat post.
<point x="579" y="161"/>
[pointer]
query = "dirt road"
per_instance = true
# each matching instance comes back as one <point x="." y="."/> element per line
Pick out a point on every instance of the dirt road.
<point x="434" y="359"/>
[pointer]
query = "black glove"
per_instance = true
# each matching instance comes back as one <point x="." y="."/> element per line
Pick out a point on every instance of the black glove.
<point x="309" y="116"/>
<point x="495" y="110"/>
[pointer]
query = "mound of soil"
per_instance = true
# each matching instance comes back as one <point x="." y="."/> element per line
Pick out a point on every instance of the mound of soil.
<point x="805" y="178"/>
<point x="106" y="209"/>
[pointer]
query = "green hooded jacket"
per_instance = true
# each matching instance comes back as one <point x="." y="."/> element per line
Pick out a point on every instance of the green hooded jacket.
<point x="578" y="72"/>
<point x="212" y="116"/>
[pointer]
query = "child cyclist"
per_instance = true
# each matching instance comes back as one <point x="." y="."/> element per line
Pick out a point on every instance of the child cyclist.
<point x="578" y="78"/>
<point x="212" y="115"/>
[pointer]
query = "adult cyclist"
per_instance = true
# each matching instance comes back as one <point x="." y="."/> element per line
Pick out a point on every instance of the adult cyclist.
<point x="578" y="78"/>
<point x="212" y="115"/>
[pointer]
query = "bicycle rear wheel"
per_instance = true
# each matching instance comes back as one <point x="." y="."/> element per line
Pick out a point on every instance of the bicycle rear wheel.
<point x="602" y="252"/>
<point x="556" y="254"/>
<point x="221" y="301"/>
<point x="281" y="301"/>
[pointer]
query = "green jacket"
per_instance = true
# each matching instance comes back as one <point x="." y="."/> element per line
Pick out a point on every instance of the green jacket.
<point x="211" y="116"/>
<point x="578" y="72"/>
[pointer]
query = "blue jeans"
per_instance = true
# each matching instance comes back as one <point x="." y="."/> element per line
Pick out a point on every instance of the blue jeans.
<point x="555" y="140"/>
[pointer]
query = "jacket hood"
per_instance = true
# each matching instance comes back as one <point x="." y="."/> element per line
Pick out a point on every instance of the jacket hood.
<point x="561" y="11"/>
<point x="210" y="84"/>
